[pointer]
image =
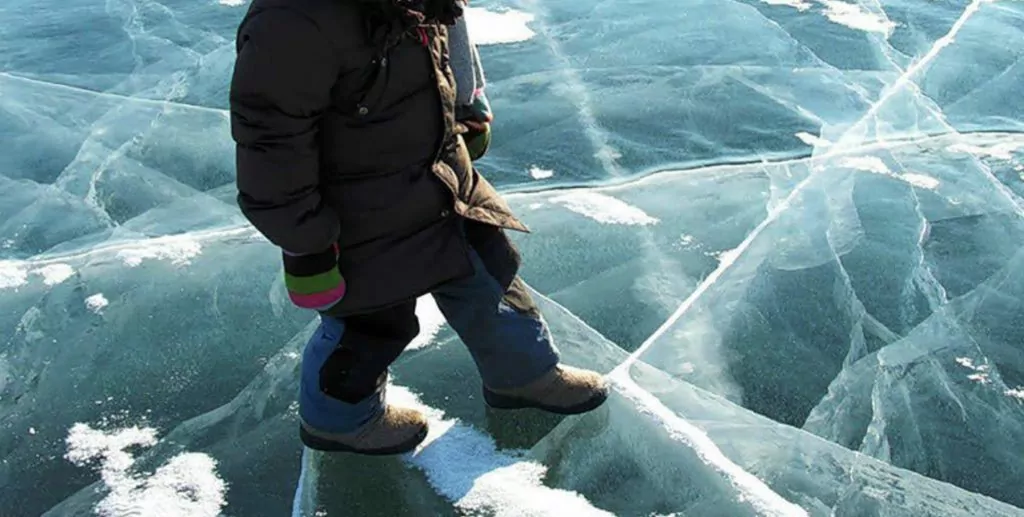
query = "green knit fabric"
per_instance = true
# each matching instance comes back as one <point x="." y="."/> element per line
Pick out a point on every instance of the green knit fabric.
<point x="477" y="143"/>
<point x="313" y="284"/>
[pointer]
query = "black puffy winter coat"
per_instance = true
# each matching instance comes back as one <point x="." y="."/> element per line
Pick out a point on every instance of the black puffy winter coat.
<point x="344" y="122"/>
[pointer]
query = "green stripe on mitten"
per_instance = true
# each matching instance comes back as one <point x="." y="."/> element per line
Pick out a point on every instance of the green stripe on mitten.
<point x="478" y="139"/>
<point x="314" y="281"/>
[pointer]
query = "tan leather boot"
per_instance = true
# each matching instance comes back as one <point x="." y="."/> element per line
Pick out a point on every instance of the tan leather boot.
<point x="395" y="430"/>
<point x="564" y="390"/>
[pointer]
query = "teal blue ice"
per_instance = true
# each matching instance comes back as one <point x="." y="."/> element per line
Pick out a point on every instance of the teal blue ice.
<point x="790" y="231"/>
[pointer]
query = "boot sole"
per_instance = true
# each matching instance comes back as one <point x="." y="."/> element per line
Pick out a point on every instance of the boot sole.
<point x="497" y="401"/>
<point x="321" y="444"/>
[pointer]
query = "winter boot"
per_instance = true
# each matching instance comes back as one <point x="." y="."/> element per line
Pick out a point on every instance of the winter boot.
<point x="564" y="390"/>
<point x="394" y="430"/>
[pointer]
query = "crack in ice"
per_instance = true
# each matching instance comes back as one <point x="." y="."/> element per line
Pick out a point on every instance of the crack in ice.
<point x="577" y="92"/>
<point x="126" y="99"/>
<point x="785" y="204"/>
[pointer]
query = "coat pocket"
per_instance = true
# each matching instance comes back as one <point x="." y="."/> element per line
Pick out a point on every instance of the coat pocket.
<point x="390" y="271"/>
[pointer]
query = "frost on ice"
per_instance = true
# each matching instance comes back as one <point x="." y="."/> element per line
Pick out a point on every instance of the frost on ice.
<point x="855" y="16"/>
<point x="179" y="250"/>
<point x="875" y="165"/>
<point x="1017" y="393"/>
<point x="920" y="180"/>
<point x="97" y="302"/>
<point x="464" y="465"/>
<point x="541" y="174"/>
<point x="186" y="485"/>
<point x="1001" y="151"/>
<point x="852" y="15"/>
<point x="812" y="140"/>
<point x="866" y="163"/>
<point x="799" y="5"/>
<point x="604" y="209"/>
<point x="12" y="275"/>
<point x="54" y="274"/>
<point x="494" y="27"/>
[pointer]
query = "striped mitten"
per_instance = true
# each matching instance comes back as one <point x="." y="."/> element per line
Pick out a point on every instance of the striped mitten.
<point x="314" y="281"/>
<point x="477" y="118"/>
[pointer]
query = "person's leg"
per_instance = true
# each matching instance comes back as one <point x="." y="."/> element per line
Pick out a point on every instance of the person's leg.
<point x="512" y="347"/>
<point x="344" y="373"/>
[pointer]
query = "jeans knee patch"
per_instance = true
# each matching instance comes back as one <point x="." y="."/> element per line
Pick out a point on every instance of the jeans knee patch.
<point x="357" y="366"/>
<point x="340" y="377"/>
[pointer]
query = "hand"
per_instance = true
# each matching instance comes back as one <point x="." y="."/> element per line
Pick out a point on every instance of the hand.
<point x="477" y="138"/>
<point x="314" y="280"/>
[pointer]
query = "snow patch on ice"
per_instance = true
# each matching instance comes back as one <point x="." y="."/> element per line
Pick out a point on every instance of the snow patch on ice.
<point x="231" y="3"/>
<point x="186" y="485"/>
<point x="875" y="165"/>
<point x="856" y="17"/>
<point x="178" y="249"/>
<point x="54" y="274"/>
<point x="86" y="444"/>
<point x="465" y="466"/>
<point x="12" y="275"/>
<point x="496" y="27"/>
<point x="814" y="140"/>
<point x="1000" y="151"/>
<point x="799" y="5"/>
<point x="541" y="174"/>
<point x="980" y="374"/>
<point x="866" y="163"/>
<point x="96" y="302"/>
<point x="980" y="378"/>
<point x="723" y="256"/>
<point x="920" y="180"/>
<point x="728" y="256"/>
<point x="431" y="321"/>
<point x="967" y="362"/>
<point x="604" y="209"/>
<point x="1017" y="393"/>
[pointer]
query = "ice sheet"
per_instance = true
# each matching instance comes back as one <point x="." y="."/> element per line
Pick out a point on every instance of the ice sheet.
<point x="789" y="230"/>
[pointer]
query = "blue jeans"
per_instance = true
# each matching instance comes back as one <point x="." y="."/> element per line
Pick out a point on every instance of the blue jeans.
<point x="344" y="364"/>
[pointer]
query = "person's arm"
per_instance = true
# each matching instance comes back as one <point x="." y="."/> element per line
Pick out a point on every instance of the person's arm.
<point x="478" y="69"/>
<point x="280" y="88"/>
<point x="281" y="85"/>
<point x="462" y="59"/>
<point x="480" y="105"/>
<point x="472" y="109"/>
